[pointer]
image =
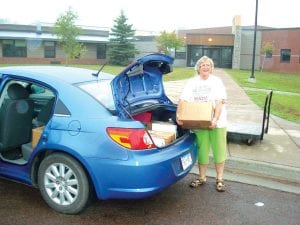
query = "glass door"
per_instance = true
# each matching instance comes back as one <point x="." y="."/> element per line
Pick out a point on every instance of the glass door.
<point x="214" y="54"/>
<point x="196" y="53"/>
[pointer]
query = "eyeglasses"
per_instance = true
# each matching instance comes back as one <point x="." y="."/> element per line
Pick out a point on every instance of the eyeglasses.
<point x="205" y="65"/>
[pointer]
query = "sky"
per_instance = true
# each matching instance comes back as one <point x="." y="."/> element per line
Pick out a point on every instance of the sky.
<point x="155" y="15"/>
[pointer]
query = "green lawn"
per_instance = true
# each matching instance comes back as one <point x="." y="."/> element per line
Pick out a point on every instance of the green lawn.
<point x="283" y="105"/>
<point x="267" y="80"/>
<point x="179" y="74"/>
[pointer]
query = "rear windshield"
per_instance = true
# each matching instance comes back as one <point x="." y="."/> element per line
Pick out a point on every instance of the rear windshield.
<point x="100" y="90"/>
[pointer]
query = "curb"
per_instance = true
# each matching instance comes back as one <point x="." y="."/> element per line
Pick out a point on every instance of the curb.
<point x="264" y="169"/>
<point x="274" y="176"/>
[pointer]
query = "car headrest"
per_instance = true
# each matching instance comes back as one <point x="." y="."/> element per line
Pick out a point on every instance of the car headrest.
<point x="17" y="91"/>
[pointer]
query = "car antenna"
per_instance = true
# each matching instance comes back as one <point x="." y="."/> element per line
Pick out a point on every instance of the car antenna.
<point x="97" y="74"/>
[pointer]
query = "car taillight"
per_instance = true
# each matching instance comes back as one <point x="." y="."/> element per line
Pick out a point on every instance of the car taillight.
<point x="134" y="139"/>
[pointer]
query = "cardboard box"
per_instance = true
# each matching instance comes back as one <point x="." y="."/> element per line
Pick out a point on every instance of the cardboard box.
<point x="163" y="126"/>
<point x="161" y="138"/>
<point x="36" y="134"/>
<point x="195" y="115"/>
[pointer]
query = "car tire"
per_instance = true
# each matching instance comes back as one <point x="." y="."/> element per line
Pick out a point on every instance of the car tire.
<point x="63" y="183"/>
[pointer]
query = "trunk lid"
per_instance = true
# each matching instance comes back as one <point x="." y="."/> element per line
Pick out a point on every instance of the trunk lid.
<point x="140" y="84"/>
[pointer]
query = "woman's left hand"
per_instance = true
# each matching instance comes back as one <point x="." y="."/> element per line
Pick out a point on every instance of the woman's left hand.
<point x="213" y="123"/>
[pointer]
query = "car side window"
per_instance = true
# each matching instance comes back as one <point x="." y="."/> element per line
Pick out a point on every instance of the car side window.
<point x="36" y="89"/>
<point x="42" y="98"/>
<point x="42" y="94"/>
<point x="61" y="109"/>
<point x="44" y="103"/>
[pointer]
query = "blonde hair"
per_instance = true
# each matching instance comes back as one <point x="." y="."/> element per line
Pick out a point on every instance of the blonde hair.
<point x="202" y="60"/>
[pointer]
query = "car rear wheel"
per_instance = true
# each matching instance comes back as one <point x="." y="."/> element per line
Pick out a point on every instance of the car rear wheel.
<point x="63" y="183"/>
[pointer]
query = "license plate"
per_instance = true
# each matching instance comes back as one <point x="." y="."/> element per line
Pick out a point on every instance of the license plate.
<point x="186" y="161"/>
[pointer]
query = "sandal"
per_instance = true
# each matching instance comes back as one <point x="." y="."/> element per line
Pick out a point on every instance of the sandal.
<point x="198" y="182"/>
<point x="220" y="186"/>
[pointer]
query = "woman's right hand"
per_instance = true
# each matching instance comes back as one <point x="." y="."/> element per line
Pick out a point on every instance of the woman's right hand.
<point x="179" y="122"/>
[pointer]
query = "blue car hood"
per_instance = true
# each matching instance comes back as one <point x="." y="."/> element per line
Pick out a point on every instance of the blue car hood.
<point x="140" y="84"/>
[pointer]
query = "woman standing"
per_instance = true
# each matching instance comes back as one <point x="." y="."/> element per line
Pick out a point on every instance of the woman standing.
<point x="205" y="87"/>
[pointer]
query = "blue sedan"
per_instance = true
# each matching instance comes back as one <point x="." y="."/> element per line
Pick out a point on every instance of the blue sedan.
<point x="75" y="133"/>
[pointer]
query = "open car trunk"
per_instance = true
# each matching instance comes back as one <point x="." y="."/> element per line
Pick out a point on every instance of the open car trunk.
<point x="160" y="122"/>
<point x="139" y="94"/>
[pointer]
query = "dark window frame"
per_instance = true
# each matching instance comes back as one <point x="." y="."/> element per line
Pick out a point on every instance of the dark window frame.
<point x="180" y="53"/>
<point x="101" y="51"/>
<point x="12" y="50"/>
<point x="49" y="50"/>
<point x="285" y="55"/>
<point x="269" y="55"/>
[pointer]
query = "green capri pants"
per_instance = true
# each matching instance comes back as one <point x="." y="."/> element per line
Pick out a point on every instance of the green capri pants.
<point x="214" y="139"/>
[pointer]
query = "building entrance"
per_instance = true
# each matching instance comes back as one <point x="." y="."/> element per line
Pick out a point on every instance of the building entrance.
<point x="214" y="54"/>
<point x="221" y="55"/>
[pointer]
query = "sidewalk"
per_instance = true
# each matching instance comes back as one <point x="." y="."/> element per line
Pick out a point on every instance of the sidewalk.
<point x="275" y="161"/>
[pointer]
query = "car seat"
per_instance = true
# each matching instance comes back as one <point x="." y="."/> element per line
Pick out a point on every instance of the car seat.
<point x="15" y="118"/>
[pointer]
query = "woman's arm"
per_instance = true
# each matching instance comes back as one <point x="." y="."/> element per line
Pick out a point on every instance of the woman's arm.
<point x="217" y="112"/>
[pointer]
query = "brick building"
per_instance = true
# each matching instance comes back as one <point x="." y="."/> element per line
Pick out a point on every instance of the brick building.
<point x="286" y="50"/>
<point x="229" y="47"/>
<point x="232" y="47"/>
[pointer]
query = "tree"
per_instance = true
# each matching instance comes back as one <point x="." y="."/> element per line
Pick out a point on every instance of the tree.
<point x="121" y="47"/>
<point x="67" y="32"/>
<point x="267" y="50"/>
<point x="168" y="41"/>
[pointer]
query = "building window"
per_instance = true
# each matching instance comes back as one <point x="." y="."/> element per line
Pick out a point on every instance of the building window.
<point x="226" y="57"/>
<point x="269" y="55"/>
<point x="285" y="55"/>
<point x="101" y="51"/>
<point x="14" y="48"/>
<point x="180" y="53"/>
<point x="49" y="49"/>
